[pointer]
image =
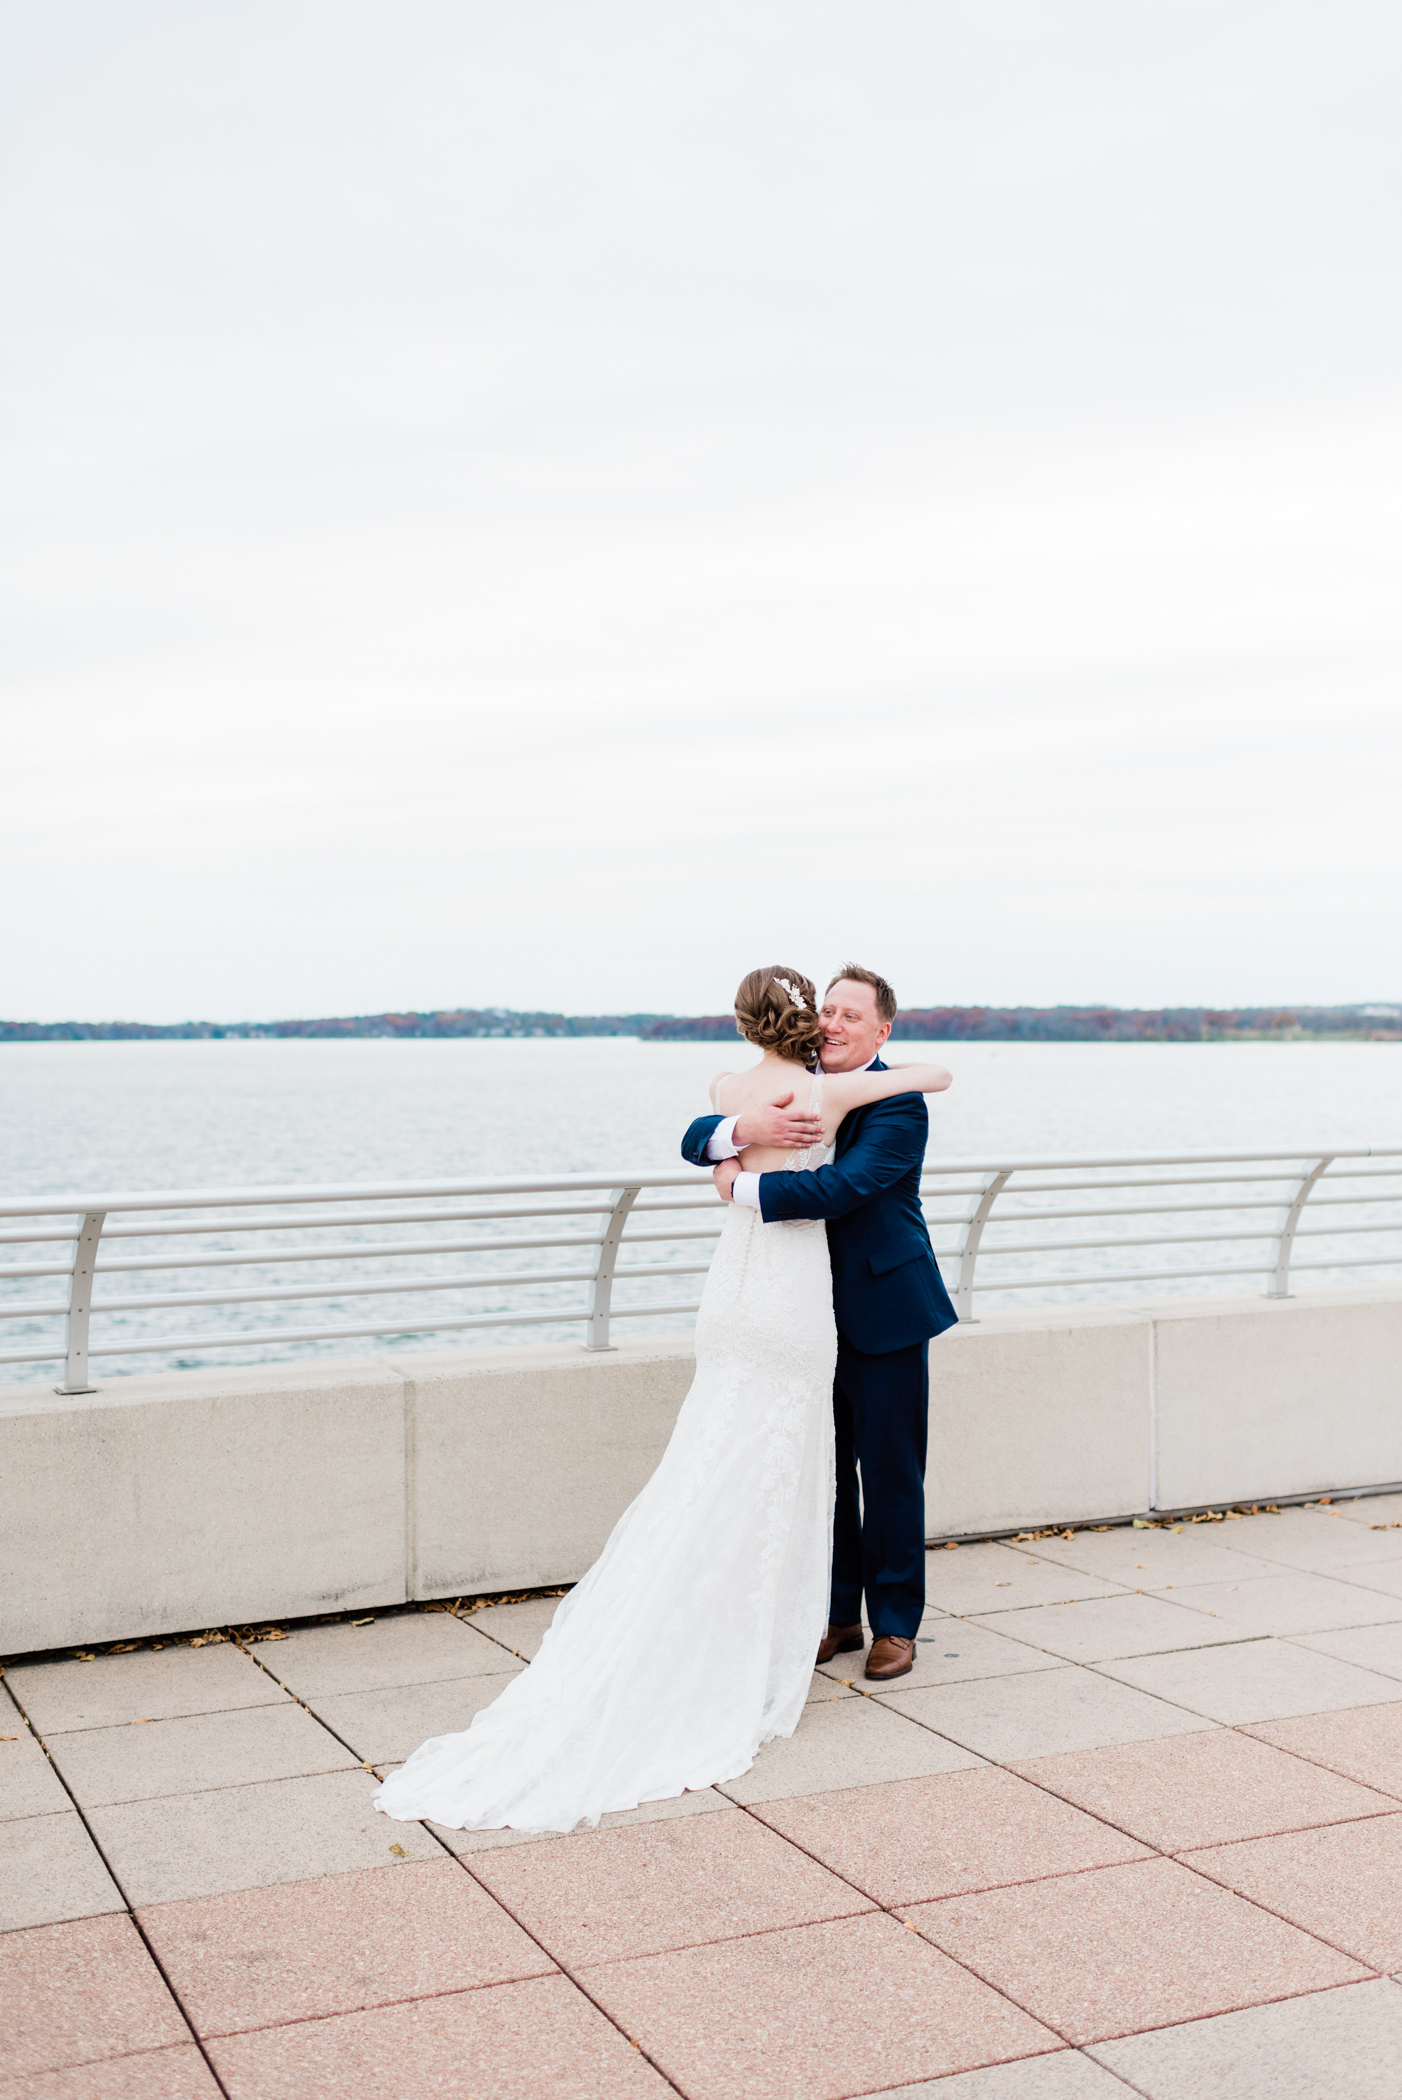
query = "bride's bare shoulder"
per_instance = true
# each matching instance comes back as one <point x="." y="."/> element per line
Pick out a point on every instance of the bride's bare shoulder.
<point x="716" y="1084"/>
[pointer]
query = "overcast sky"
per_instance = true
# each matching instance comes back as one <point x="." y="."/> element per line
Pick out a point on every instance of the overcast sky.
<point x="553" y="505"/>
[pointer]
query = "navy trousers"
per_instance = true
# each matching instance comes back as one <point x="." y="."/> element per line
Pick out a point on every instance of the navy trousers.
<point x="881" y="1410"/>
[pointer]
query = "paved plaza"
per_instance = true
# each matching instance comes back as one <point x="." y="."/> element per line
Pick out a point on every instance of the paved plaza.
<point x="1132" y="1825"/>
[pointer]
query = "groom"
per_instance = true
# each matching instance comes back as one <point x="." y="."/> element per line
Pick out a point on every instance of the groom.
<point x="889" y="1298"/>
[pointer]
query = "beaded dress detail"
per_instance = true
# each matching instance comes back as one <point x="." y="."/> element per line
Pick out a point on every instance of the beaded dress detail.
<point x="690" y="1642"/>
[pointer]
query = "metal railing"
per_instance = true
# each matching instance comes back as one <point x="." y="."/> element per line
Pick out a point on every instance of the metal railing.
<point x="602" y="1217"/>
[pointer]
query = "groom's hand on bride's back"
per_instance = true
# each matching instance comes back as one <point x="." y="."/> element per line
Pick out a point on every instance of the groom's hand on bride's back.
<point x="724" y="1177"/>
<point x="777" y="1123"/>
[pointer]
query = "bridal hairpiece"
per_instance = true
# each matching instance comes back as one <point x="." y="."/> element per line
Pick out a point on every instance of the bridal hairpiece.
<point x="793" y="991"/>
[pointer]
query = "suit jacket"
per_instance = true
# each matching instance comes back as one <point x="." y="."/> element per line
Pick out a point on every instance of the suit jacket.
<point x="887" y="1291"/>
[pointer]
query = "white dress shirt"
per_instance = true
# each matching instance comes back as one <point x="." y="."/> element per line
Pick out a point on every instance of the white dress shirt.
<point x="722" y="1145"/>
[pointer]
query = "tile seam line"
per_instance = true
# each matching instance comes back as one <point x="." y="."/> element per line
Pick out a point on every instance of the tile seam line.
<point x="561" y="1968"/>
<point x="345" y="2012"/>
<point x="151" y="1953"/>
<point x="1157" y="1852"/>
<point x="886" y="1911"/>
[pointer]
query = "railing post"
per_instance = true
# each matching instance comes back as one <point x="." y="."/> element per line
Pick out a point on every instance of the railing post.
<point x="973" y="1233"/>
<point x="75" y="1349"/>
<point x="602" y="1295"/>
<point x="1289" y="1219"/>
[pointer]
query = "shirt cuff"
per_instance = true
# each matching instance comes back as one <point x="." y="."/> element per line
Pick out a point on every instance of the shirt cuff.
<point x="721" y="1143"/>
<point x="746" y="1190"/>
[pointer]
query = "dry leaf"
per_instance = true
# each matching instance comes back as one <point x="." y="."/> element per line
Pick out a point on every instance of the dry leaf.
<point x="399" y="1852"/>
<point x="362" y="1622"/>
<point x="9" y="1738"/>
<point x="84" y="1655"/>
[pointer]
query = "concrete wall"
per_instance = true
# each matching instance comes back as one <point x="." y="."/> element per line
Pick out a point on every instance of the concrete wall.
<point x="213" y="1497"/>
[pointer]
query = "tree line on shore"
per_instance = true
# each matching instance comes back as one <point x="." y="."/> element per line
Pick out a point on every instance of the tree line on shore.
<point x="980" y="1024"/>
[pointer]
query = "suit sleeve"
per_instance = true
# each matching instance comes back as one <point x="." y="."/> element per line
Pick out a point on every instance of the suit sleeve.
<point x="890" y="1143"/>
<point x="697" y="1138"/>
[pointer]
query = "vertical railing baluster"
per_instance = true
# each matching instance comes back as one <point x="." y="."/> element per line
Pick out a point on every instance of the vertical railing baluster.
<point x="602" y="1293"/>
<point x="973" y="1233"/>
<point x="1289" y="1220"/>
<point x="75" y="1347"/>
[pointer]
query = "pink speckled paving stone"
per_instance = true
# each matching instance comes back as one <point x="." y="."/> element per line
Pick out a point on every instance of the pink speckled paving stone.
<point x="1203" y="1789"/>
<point x="540" y="2040"/>
<point x="609" y="1894"/>
<point x="163" y="2074"/>
<point x="75" y="1992"/>
<point x="817" y="2013"/>
<point x="302" y="1949"/>
<point x="1121" y="1949"/>
<point x="920" y="1838"/>
<point x="1362" y="1742"/>
<point x="1343" y="1883"/>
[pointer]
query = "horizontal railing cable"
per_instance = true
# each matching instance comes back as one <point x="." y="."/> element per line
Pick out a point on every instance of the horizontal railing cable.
<point x="999" y="1211"/>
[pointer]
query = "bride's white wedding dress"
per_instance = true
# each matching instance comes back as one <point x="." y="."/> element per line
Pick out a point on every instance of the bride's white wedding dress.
<point x="690" y="1642"/>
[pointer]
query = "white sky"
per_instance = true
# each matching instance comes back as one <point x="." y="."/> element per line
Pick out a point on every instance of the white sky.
<point x="552" y="505"/>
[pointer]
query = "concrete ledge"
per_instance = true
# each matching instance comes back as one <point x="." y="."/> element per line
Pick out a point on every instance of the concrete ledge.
<point x="197" y="1498"/>
<point x="1038" y="1418"/>
<point x="1261" y="1397"/>
<point x="523" y="1459"/>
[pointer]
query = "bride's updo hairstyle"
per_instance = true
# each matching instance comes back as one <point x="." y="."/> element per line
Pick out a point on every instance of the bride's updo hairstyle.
<point x="777" y="1009"/>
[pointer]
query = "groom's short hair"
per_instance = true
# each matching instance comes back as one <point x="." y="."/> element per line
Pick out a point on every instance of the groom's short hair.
<point x="853" y="973"/>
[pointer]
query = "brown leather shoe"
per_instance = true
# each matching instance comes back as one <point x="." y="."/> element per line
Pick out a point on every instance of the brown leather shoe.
<point x="840" y="1640"/>
<point x="891" y="1656"/>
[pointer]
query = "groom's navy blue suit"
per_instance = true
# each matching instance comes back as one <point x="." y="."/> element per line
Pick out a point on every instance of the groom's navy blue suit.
<point x="889" y="1298"/>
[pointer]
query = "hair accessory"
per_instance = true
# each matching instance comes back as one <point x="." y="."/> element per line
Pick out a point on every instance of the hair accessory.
<point x="793" y="991"/>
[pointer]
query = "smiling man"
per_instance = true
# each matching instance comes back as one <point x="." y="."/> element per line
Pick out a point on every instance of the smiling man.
<point x="889" y="1299"/>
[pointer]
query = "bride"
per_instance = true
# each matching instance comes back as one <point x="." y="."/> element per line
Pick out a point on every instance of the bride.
<point x="690" y="1642"/>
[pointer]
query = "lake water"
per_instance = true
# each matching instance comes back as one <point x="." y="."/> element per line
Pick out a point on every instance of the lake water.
<point x="134" y="1116"/>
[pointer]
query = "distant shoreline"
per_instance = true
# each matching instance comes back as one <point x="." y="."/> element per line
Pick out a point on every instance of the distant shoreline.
<point x="951" y="1024"/>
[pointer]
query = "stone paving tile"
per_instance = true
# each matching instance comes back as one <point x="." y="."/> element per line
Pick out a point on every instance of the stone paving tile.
<point x="1365" y="1745"/>
<point x="697" y="1803"/>
<point x="921" y="1838"/>
<point x="1067" y="2076"/>
<point x="1207" y="1789"/>
<point x="1370" y="1647"/>
<point x="1314" y="1539"/>
<point x="991" y="1577"/>
<point x="610" y="1895"/>
<point x="1373" y="1512"/>
<point x="1100" y="1628"/>
<point x="1120" y="1949"/>
<point x="1036" y="1716"/>
<point x="165" y="2074"/>
<point x="149" y="1685"/>
<point x="410" y="1647"/>
<point x="1288" y="1603"/>
<point x="75" y="1992"/>
<point x="1155" y="1560"/>
<point x="520" y="1627"/>
<point x="1384" y="1576"/>
<point x="1343" y="1883"/>
<point x="50" y="1870"/>
<point x="960" y="1650"/>
<point x="812" y="2014"/>
<point x="185" y="1757"/>
<point x="29" y="1785"/>
<point x="347" y="1942"/>
<point x="1333" y="2045"/>
<point x="385" y="1727"/>
<point x="245" y="1837"/>
<point x="825" y="1687"/>
<point x="855" y="1742"/>
<point x="539" y="2040"/>
<point x="1262" y="1680"/>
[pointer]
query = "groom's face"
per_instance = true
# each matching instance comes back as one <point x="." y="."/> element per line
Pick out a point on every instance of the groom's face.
<point x="853" y="1030"/>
